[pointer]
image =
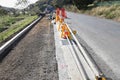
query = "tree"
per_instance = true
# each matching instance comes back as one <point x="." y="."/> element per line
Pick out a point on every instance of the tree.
<point x="22" y="3"/>
<point x="82" y="3"/>
<point x="2" y="11"/>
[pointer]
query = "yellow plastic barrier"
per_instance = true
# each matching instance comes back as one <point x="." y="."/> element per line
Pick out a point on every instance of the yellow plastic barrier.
<point x="65" y="31"/>
<point x="57" y="18"/>
<point x="63" y="27"/>
<point x="60" y="23"/>
<point x="102" y="78"/>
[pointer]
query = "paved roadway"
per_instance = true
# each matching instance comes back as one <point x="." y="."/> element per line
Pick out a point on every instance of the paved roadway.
<point x="101" y="38"/>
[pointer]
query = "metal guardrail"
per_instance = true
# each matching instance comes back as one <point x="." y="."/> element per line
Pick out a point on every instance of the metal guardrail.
<point x="7" y="45"/>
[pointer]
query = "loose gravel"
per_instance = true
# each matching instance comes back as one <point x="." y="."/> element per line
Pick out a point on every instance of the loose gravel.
<point x="33" y="58"/>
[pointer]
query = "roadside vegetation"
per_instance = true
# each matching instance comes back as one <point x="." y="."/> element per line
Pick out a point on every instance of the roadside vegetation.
<point x="104" y="9"/>
<point x="14" y="20"/>
<point x="7" y="21"/>
<point x="11" y="25"/>
<point x="107" y="9"/>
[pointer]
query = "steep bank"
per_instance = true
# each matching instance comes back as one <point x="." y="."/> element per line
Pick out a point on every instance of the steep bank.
<point x="108" y="10"/>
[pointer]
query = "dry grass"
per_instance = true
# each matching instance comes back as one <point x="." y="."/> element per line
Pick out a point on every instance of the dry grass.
<point x="109" y="12"/>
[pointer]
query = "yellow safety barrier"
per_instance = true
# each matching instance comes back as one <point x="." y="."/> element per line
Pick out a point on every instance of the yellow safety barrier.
<point x="60" y="23"/>
<point x="57" y="18"/>
<point x="65" y="31"/>
<point x="101" y="78"/>
<point x="61" y="26"/>
<point x="74" y="31"/>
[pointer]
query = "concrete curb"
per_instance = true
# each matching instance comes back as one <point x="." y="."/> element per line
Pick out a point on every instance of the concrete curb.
<point x="9" y="43"/>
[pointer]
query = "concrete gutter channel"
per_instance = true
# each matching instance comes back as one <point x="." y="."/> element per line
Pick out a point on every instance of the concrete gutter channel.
<point x="5" y="48"/>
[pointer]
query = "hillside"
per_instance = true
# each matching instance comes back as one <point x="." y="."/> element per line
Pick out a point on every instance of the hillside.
<point x="6" y="10"/>
<point x="104" y="9"/>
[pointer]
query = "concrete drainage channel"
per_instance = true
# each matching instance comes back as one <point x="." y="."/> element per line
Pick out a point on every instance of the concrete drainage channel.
<point x="9" y="44"/>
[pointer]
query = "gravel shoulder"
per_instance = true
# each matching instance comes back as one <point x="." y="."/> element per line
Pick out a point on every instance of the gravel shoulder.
<point x="34" y="57"/>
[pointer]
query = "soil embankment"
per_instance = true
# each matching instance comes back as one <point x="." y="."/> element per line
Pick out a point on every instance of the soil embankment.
<point x="33" y="58"/>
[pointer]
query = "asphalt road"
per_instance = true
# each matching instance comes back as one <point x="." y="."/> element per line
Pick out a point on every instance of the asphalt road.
<point x="101" y="38"/>
<point x="33" y="58"/>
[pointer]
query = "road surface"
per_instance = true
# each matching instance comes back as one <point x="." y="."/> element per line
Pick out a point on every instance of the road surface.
<point x="101" y="38"/>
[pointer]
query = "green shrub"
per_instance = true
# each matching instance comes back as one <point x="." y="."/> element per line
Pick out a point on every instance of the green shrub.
<point x="16" y="27"/>
<point x="6" y="21"/>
